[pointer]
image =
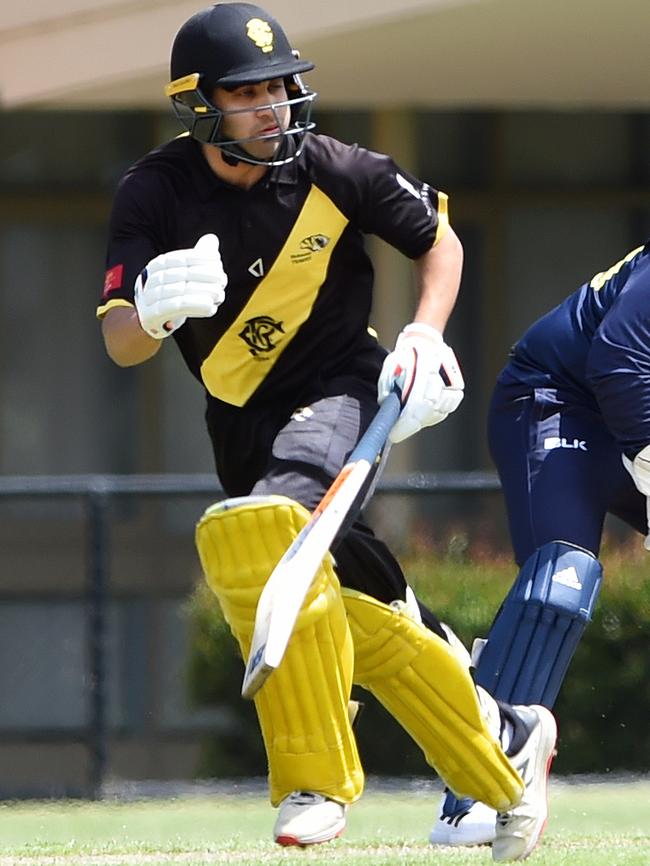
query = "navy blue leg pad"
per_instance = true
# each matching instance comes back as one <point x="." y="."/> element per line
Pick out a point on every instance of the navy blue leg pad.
<point x="540" y="623"/>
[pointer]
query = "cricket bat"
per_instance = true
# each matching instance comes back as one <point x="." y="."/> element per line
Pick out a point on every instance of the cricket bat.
<point x="285" y="591"/>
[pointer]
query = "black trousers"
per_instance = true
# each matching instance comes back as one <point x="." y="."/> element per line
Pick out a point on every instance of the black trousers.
<point x="264" y="453"/>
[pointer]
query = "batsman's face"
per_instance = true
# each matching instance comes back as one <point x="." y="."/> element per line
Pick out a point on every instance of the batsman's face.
<point x="252" y="112"/>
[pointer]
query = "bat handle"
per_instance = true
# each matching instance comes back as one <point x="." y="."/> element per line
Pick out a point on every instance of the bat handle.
<point x="373" y="440"/>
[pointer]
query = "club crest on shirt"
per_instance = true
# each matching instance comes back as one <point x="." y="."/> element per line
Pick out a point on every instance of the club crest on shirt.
<point x="308" y="246"/>
<point x="259" y="333"/>
<point x="260" y="33"/>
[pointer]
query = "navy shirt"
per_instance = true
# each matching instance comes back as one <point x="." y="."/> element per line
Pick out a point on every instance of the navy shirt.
<point x="594" y="348"/>
<point x="299" y="288"/>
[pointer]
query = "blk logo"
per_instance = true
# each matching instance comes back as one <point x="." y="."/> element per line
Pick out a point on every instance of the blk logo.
<point x="553" y="442"/>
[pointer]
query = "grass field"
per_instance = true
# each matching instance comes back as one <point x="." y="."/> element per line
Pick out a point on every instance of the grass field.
<point x="590" y="825"/>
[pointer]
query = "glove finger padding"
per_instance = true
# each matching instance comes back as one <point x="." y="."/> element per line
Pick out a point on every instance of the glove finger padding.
<point x="178" y="285"/>
<point x="433" y="384"/>
<point x="169" y="282"/>
<point x="204" y="252"/>
<point x="193" y="301"/>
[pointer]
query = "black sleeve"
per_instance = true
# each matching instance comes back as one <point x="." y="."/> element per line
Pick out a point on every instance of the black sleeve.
<point x="138" y="228"/>
<point x="381" y="198"/>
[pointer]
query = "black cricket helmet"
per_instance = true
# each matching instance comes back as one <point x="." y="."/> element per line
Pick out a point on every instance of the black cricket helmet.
<point x="229" y="45"/>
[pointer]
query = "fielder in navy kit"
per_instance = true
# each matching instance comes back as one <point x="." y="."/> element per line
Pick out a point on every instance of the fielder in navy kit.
<point x="569" y="431"/>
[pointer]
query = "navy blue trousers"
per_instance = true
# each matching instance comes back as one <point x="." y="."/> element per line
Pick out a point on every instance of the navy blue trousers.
<point x="299" y="456"/>
<point x="560" y="469"/>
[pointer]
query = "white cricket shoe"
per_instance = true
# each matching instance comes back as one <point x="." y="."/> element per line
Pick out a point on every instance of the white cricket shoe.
<point x="307" y="819"/>
<point x="519" y="830"/>
<point x="463" y="822"/>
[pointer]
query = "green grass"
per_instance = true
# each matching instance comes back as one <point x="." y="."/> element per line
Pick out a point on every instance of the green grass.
<point x="590" y="825"/>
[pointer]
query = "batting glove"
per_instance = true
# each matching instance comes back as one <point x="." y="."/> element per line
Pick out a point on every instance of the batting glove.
<point x="639" y="469"/>
<point x="179" y="285"/>
<point x="433" y="384"/>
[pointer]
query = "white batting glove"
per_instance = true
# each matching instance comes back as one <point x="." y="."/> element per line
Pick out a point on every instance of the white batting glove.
<point x="433" y="384"/>
<point x="639" y="469"/>
<point x="179" y="285"/>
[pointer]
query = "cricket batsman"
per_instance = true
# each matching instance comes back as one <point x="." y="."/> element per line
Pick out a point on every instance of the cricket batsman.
<point x="242" y="242"/>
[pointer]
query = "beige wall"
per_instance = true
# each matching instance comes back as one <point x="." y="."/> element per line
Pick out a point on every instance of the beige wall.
<point x="370" y="52"/>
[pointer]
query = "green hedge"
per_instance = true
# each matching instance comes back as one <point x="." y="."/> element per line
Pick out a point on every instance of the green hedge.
<point x="603" y="710"/>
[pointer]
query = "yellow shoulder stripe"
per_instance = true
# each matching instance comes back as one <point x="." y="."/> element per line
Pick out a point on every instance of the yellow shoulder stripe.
<point x="603" y="277"/>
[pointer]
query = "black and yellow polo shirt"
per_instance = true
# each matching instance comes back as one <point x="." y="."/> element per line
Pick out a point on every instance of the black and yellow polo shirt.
<point x="299" y="280"/>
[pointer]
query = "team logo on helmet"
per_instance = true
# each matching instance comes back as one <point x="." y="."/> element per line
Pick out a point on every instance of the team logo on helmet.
<point x="258" y="334"/>
<point x="260" y="33"/>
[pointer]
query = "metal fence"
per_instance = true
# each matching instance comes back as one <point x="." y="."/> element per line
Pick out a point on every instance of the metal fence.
<point x="97" y="493"/>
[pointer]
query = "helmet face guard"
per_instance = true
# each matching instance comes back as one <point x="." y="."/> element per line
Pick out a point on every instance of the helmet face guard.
<point x="204" y="120"/>
<point x="227" y="46"/>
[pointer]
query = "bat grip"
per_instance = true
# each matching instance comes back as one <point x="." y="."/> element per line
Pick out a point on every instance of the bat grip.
<point x="374" y="439"/>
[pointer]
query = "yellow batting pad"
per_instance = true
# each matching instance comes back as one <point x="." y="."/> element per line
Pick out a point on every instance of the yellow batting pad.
<point x="421" y="681"/>
<point x="303" y="706"/>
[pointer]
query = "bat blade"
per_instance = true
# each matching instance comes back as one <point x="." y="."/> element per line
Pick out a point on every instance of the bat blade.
<point x="289" y="583"/>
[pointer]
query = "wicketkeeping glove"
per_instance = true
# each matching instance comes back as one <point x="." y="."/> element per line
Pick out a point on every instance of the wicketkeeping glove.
<point x="433" y="384"/>
<point x="179" y="285"/>
<point x="639" y="469"/>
